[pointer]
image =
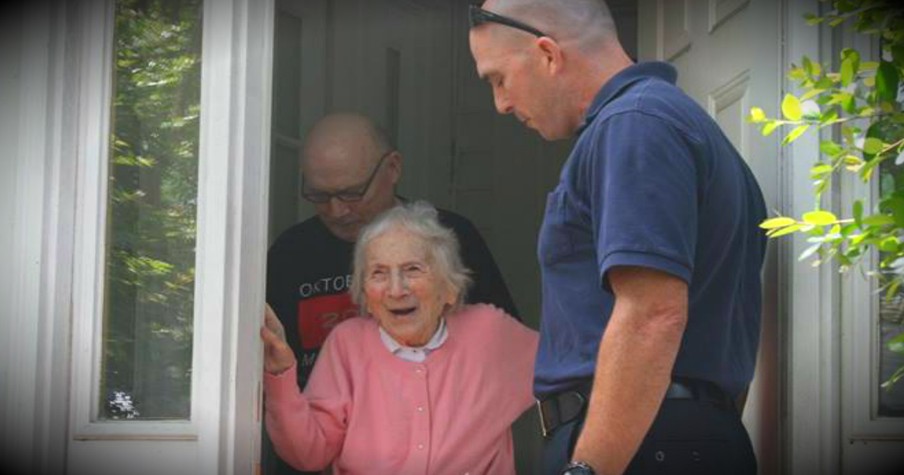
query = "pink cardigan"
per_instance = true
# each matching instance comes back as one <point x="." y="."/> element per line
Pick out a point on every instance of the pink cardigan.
<point x="368" y="411"/>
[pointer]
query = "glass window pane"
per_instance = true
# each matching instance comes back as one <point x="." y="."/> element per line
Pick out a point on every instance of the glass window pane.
<point x="891" y="400"/>
<point x="891" y="311"/>
<point x="152" y="211"/>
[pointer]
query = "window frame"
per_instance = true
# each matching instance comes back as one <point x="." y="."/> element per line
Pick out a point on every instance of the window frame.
<point x="223" y="429"/>
<point x="96" y="24"/>
<point x="861" y="346"/>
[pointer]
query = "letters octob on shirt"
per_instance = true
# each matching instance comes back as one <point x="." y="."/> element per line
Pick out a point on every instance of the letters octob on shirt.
<point x="327" y="285"/>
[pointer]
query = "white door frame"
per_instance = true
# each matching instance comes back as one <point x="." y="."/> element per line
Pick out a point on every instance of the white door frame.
<point x="60" y="165"/>
<point x="813" y="322"/>
<point x="232" y="226"/>
<point x="713" y="45"/>
<point x="34" y="320"/>
<point x="831" y="325"/>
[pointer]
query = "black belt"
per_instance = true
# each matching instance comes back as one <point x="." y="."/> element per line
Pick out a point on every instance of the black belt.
<point x="566" y="406"/>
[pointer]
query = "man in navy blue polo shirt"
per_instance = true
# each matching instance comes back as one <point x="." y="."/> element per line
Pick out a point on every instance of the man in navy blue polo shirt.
<point x="649" y="250"/>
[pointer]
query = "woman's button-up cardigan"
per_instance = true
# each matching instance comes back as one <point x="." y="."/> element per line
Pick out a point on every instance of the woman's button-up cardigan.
<point x="367" y="411"/>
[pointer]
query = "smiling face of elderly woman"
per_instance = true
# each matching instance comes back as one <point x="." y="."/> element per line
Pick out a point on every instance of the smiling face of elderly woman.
<point x="402" y="287"/>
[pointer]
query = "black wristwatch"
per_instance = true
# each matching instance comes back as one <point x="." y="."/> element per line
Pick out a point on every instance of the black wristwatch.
<point x="576" y="467"/>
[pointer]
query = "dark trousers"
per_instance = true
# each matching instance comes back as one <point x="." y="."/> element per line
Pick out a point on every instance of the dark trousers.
<point x="688" y="437"/>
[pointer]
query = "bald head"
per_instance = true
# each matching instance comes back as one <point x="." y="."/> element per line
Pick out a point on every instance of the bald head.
<point x="350" y="171"/>
<point x="350" y="136"/>
<point x="586" y="23"/>
<point x="548" y="80"/>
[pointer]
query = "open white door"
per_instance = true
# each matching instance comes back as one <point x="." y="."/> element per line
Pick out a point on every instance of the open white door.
<point x="170" y="235"/>
<point x="728" y="55"/>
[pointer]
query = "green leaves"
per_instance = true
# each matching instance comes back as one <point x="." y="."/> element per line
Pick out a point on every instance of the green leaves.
<point x="810" y="221"/>
<point x="850" y="64"/>
<point x="857" y="211"/>
<point x="887" y="79"/>
<point x="820" y="170"/>
<point x="812" y="70"/>
<point x="812" y="19"/>
<point x="795" y="134"/>
<point x="853" y="163"/>
<point x="896" y="344"/>
<point x="778" y="232"/>
<point x="830" y="148"/>
<point x="780" y="226"/>
<point x="895" y="206"/>
<point x="757" y="115"/>
<point x="779" y="222"/>
<point x="878" y="220"/>
<point x="856" y="110"/>
<point x="820" y="218"/>
<point x="791" y="108"/>
<point x="889" y="244"/>
<point x="829" y="117"/>
<point x="152" y="213"/>
<point x="897" y="53"/>
<point x="770" y="127"/>
<point x="872" y="146"/>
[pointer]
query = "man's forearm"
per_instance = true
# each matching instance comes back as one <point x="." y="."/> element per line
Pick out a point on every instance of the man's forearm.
<point x="633" y="371"/>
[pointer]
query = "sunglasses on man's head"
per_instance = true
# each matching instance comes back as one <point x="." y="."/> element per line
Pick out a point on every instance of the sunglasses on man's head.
<point x="478" y="16"/>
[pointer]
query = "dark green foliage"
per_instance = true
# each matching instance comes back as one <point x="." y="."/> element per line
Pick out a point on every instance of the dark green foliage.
<point x="861" y="103"/>
<point x="152" y="211"/>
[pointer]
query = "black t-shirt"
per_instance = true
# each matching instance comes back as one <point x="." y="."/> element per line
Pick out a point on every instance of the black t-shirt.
<point x="308" y="276"/>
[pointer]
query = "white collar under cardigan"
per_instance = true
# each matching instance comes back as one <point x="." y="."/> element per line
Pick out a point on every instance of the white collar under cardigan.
<point x="415" y="354"/>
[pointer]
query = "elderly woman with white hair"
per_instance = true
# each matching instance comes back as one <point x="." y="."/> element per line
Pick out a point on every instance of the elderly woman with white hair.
<point x="419" y="383"/>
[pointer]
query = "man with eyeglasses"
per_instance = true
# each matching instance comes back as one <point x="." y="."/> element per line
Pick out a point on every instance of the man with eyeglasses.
<point x="649" y="250"/>
<point x="349" y="171"/>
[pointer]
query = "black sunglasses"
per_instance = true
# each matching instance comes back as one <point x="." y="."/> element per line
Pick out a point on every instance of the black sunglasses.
<point x="347" y="195"/>
<point x="478" y="16"/>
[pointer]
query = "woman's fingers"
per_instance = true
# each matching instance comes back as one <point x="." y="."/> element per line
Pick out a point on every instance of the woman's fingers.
<point x="278" y="357"/>
<point x="268" y="336"/>
<point x="272" y="323"/>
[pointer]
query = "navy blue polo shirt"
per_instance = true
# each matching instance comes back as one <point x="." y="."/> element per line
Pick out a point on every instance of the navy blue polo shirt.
<point x="653" y="182"/>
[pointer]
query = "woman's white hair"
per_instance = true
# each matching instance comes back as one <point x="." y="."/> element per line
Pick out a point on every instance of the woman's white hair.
<point x="421" y="219"/>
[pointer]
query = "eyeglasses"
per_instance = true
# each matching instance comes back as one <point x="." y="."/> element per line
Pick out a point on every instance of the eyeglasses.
<point x="347" y="195"/>
<point x="479" y="16"/>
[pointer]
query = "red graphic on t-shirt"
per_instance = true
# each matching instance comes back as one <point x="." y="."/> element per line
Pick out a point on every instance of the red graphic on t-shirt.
<point x="318" y="315"/>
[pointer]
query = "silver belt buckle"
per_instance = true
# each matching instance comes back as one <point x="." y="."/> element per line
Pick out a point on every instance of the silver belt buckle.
<point x="543" y="429"/>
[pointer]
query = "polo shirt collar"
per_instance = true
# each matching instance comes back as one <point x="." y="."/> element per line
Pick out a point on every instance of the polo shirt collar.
<point x="624" y="78"/>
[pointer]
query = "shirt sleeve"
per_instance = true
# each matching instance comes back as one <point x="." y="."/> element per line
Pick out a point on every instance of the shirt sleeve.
<point x="514" y="350"/>
<point x="644" y="185"/>
<point x="522" y="342"/>
<point x="308" y="429"/>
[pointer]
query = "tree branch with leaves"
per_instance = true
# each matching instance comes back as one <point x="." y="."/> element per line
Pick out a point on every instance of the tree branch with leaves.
<point x="858" y="107"/>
